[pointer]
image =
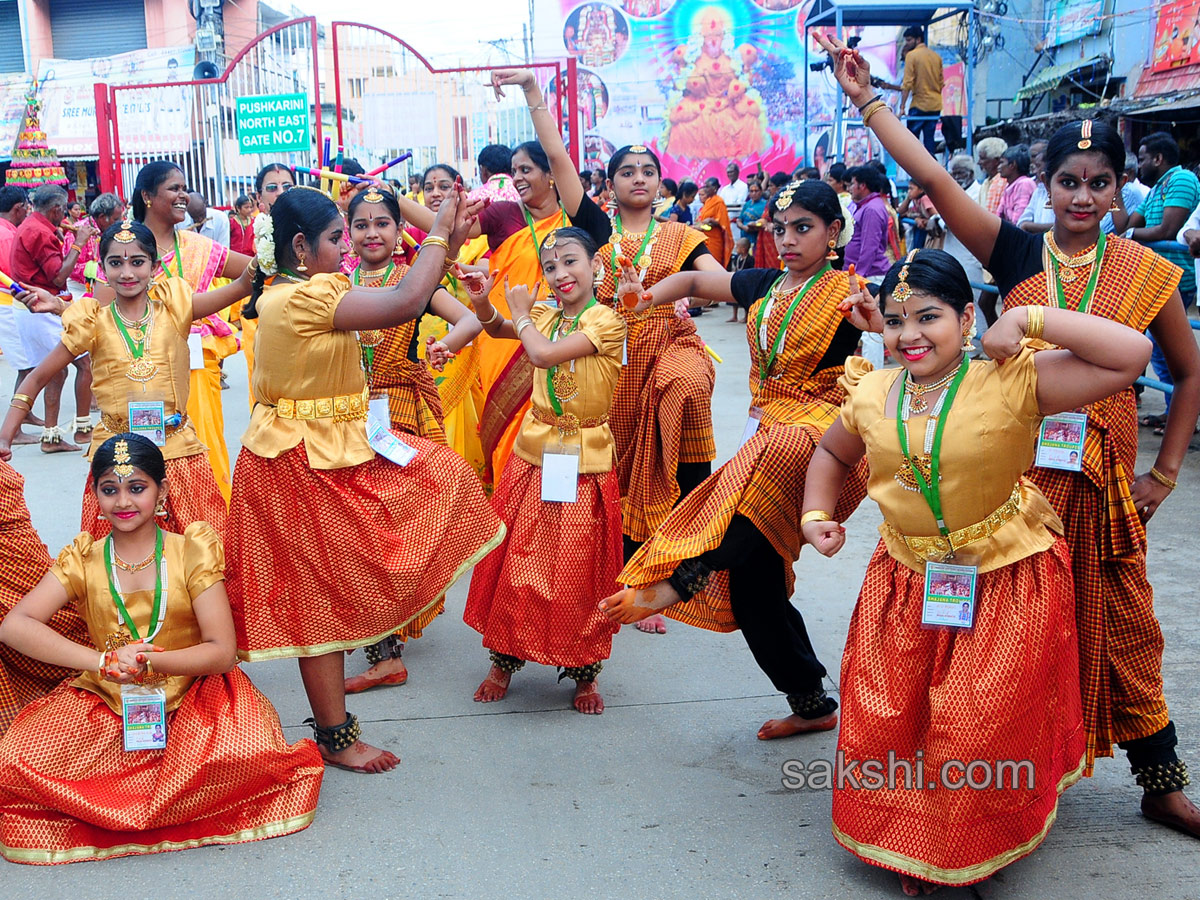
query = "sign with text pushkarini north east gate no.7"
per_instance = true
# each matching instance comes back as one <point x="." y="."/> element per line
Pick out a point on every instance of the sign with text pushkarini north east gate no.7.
<point x="273" y="123"/>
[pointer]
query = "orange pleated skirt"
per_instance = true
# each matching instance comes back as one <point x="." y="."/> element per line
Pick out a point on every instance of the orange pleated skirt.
<point x="1007" y="691"/>
<point x="192" y="496"/>
<point x="535" y="596"/>
<point x="69" y="791"/>
<point x="320" y="560"/>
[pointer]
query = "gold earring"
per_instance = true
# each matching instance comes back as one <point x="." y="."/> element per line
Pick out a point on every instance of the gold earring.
<point x="832" y="254"/>
<point x="1114" y="207"/>
<point x="970" y="333"/>
<point x="301" y="267"/>
<point x="161" y="509"/>
<point x="101" y="517"/>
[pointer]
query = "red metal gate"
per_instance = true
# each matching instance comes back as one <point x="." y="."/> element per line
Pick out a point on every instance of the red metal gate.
<point x="191" y="123"/>
<point x="390" y="100"/>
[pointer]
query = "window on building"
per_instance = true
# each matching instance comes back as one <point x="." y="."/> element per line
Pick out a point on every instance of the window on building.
<point x="81" y="29"/>
<point x="12" y="58"/>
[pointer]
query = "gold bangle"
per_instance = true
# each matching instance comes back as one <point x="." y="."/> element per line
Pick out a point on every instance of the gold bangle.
<point x="436" y="241"/>
<point x="1163" y="479"/>
<point x="495" y="315"/>
<point x="16" y="405"/>
<point x="522" y="323"/>
<point x="24" y="397"/>
<point x="815" y="515"/>
<point x="871" y="109"/>
<point x="1035" y="321"/>
<point x="100" y="668"/>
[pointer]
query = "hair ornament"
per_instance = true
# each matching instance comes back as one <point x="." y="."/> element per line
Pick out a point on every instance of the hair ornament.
<point x="637" y="148"/>
<point x="903" y="291"/>
<point x="551" y="240"/>
<point x="1085" y="134"/>
<point x="785" y="196"/>
<point x="123" y="468"/>
<point x="264" y="244"/>
<point x="126" y="235"/>
<point x="373" y="195"/>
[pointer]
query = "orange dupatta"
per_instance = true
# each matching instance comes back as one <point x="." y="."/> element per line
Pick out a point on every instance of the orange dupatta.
<point x="720" y="237"/>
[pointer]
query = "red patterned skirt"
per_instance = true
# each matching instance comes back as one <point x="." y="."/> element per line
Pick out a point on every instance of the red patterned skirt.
<point x="320" y="560"/>
<point x="69" y="791"/>
<point x="192" y="496"/>
<point x="1006" y="691"/>
<point x="763" y="482"/>
<point x="535" y="596"/>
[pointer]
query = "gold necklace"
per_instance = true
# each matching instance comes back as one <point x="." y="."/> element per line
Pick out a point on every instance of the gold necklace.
<point x="132" y="567"/>
<point x="376" y="273"/>
<point x="1066" y="263"/>
<point x="137" y="329"/>
<point x="916" y="391"/>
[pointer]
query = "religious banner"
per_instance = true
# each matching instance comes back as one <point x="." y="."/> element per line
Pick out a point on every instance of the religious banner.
<point x="702" y="83"/>
<point x="1177" y="35"/>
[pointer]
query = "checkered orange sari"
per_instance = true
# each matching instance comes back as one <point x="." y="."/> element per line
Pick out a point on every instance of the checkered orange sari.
<point x="662" y="409"/>
<point x="1120" y="641"/>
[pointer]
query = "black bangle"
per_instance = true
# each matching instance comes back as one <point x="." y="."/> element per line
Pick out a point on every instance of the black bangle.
<point x="869" y="102"/>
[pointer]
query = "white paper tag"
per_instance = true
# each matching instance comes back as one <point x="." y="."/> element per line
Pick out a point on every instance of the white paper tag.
<point x="387" y="444"/>
<point x="949" y="595"/>
<point x="560" y="475"/>
<point x="195" y="351"/>
<point x="377" y="407"/>
<point x="752" y="422"/>
<point x="147" y="418"/>
<point x="1060" y="442"/>
<point x="144" y="717"/>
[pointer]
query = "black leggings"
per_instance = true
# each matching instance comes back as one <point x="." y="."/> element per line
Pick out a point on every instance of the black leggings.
<point x="688" y="476"/>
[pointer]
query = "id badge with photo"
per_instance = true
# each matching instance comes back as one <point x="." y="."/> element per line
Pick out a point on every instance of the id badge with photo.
<point x="195" y="351"/>
<point x="144" y="717"/>
<point x="560" y="473"/>
<point x="752" y="422"/>
<point x="382" y="440"/>
<point x="949" y="595"/>
<point x="148" y="418"/>
<point x="1060" y="442"/>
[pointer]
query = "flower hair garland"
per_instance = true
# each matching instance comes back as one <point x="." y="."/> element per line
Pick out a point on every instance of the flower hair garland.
<point x="264" y="244"/>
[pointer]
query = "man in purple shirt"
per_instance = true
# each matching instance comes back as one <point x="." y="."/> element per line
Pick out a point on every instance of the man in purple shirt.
<point x="867" y="249"/>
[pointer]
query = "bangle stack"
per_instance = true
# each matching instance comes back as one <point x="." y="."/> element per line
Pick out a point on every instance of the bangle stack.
<point x="436" y="241"/>
<point x="871" y="108"/>
<point x="522" y="323"/>
<point x="18" y="399"/>
<point x="1035" y="321"/>
<point x="1163" y="479"/>
<point x="815" y="515"/>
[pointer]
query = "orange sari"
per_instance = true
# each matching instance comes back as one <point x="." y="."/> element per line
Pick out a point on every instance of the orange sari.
<point x="719" y="237"/>
<point x="504" y="369"/>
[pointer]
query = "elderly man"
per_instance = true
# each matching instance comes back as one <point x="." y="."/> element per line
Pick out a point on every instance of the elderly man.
<point x="37" y="260"/>
<point x="988" y="154"/>
<point x="106" y="210"/>
<point x="212" y="223"/>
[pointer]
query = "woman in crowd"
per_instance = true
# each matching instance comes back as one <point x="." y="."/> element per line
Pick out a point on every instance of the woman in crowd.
<point x="722" y="559"/>
<point x="535" y="597"/>
<point x="1103" y="505"/>
<point x="340" y="532"/>
<point x="158" y="677"/>
<point x="962" y="646"/>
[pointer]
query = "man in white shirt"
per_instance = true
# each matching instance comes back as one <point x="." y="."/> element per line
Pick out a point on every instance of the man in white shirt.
<point x="734" y="194"/>
<point x="212" y="223"/>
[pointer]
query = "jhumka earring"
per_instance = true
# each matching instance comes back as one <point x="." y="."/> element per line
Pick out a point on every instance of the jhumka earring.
<point x="301" y="267"/>
<point x="161" y="509"/>
<point x="968" y="337"/>
<point x="1114" y="207"/>
<point x="832" y="254"/>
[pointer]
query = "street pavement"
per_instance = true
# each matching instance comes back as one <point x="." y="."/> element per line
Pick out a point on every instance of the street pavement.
<point x="667" y="794"/>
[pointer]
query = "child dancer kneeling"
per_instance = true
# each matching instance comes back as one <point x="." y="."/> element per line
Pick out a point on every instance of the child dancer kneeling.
<point x="534" y="598"/>
<point x="160" y="743"/>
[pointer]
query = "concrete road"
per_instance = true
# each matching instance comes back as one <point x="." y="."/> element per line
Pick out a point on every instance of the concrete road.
<point x="668" y="794"/>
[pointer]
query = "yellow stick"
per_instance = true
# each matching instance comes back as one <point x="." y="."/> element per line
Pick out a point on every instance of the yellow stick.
<point x="709" y="350"/>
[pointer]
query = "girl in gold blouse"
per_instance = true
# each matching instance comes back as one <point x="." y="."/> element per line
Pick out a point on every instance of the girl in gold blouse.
<point x="139" y="349"/>
<point x="535" y="597"/>
<point x="341" y="531"/>
<point x="158" y="618"/>
<point x="961" y="653"/>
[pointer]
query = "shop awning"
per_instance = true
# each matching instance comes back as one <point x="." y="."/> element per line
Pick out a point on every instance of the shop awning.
<point x="1173" y="81"/>
<point x="1052" y="77"/>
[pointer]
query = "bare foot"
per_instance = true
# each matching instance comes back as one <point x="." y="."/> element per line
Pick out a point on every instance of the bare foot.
<point x="390" y="671"/>
<point x="25" y="438"/>
<point x="656" y="624"/>
<point x="83" y="437"/>
<point x="1174" y="810"/>
<point x="59" y="447"/>
<point x="31" y="419"/>
<point x="789" y="725"/>
<point x="915" y="887"/>
<point x="494" y="686"/>
<point x="634" y="604"/>
<point x="734" y="319"/>
<point x="588" y="699"/>
<point x="361" y="757"/>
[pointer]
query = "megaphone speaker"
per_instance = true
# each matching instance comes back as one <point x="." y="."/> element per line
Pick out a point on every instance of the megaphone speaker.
<point x="204" y="70"/>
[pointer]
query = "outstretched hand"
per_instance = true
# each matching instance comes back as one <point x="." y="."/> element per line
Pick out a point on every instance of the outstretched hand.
<point x="37" y="300"/>
<point x="630" y="290"/>
<point x="478" y="284"/>
<point x="849" y="68"/>
<point x="860" y="308"/>
<point x="522" y="78"/>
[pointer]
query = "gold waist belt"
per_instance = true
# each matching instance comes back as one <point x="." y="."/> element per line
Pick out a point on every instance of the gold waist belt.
<point x="120" y="424"/>
<point x="937" y="548"/>
<point x="343" y="408"/>
<point x="568" y="423"/>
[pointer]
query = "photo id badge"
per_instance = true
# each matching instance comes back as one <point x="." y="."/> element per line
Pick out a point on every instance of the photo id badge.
<point x="148" y="418"/>
<point x="1060" y="442"/>
<point x="949" y="595"/>
<point x="195" y="351"/>
<point x="385" y="443"/>
<point x="144" y="717"/>
<point x="560" y="473"/>
<point x="752" y="422"/>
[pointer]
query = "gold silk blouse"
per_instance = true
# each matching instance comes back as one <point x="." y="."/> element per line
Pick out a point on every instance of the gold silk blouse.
<point x="596" y="377"/>
<point x="89" y="327"/>
<point x="195" y="562"/>
<point x="299" y="355"/>
<point x="988" y="443"/>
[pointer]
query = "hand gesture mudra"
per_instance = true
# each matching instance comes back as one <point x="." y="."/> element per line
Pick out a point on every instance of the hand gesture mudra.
<point x="437" y="354"/>
<point x="522" y="78"/>
<point x="849" y="68"/>
<point x="520" y="300"/>
<point x="630" y="291"/>
<point x="860" y="308"/>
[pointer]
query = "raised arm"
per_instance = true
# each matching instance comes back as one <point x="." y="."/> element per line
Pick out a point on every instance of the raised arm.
<point x="566" y="178"/>
<point x="971" y="222"/>
<point x="464" y="324"/>
<point x="423" y="217"/>
<point x="209" y="302"/>
<point x="707" y="285"/>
